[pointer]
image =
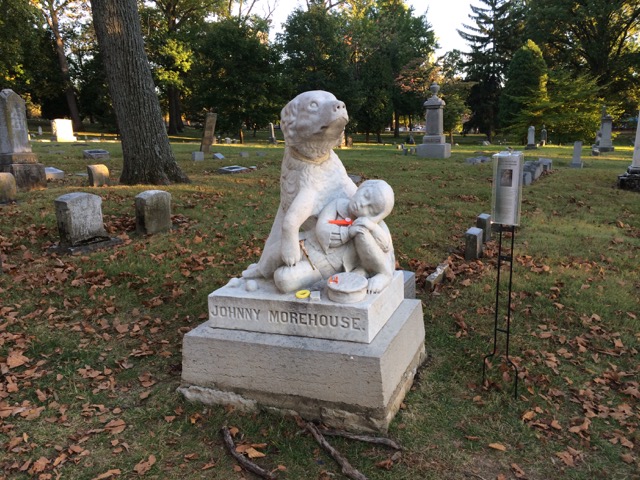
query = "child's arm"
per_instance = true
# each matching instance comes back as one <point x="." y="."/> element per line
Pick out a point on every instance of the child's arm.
<point x="381" y="236"/>
<point x="330" y="234"/>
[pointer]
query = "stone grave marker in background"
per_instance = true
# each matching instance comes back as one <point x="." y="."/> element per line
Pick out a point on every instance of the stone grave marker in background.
<point x="630" y="180"/>
<point x="483" y="222"/>
<point x="473" y="243"/>
<point x="153" y="212"/>
<point x="272" y="134"/>
<point x="531" y="138"/>
<point x="80" y="224"/>
<point x="606" y="126"/>
<point x="433" y="143"/>
<point x="53" y="173"/>
<point x="62" y="130"/>
<point x="96" y="154"/>
<point x="209" y="132"/>
<point x="197" y="156"/>
<point x="218" y="156"/>
<point x="8" y="189"/>
<point x="16" y="156"/>
<point x="39" y="131"/>
<point x="543" y="136"/>
<point x="98" y="175"/>
<point x="576" y="161"/>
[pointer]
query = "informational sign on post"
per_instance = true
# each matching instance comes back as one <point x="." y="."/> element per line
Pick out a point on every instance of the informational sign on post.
<point x="507" y="188"/>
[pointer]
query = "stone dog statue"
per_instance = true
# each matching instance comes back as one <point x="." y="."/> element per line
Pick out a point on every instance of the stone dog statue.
<point x="312" y="175"/>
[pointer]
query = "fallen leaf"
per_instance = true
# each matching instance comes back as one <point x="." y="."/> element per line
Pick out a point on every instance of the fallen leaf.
<point x="108" y="474"/>
<point x="498" y="446"/>
<point x="145" y="465"/>
<point x="517" y="471"/>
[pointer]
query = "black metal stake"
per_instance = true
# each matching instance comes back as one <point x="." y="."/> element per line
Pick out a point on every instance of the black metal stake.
<point x="507" y="331"/>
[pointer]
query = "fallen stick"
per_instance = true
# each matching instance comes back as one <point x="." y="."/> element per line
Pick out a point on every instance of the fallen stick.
<point x="241" y="459"/>
<point x="347" y="469"/>
<point x="387" y="442"/>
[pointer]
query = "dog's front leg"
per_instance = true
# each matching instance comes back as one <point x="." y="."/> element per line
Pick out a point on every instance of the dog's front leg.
<point x="298" y="212"/>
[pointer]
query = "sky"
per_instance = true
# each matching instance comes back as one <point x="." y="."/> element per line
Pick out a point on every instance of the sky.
<point x="445" y="17"/>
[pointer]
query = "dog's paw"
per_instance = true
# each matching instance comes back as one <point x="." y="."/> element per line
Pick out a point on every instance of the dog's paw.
<point x="290" y="253"/>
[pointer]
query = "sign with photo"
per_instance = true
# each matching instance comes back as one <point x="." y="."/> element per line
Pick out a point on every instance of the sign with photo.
<point x="507" y="188"/>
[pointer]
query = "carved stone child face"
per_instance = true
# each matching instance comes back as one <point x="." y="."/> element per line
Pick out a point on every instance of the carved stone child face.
<point x="373" y="199"/>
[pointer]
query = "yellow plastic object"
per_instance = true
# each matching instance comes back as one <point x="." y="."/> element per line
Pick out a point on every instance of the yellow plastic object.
<point x="303" y="293"/>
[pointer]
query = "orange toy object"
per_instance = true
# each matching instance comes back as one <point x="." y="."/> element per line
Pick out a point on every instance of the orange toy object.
<point x="343" y="223"/>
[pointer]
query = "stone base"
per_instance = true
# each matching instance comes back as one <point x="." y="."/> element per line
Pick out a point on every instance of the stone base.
<point x="606" y="148"/>
<point x="436" y="150"/>
<point x="87" y="247"/>
<point x="629" y="181"/>
<point x="531" y="146"/>
<point x="346" y="385"/>
<point x="29" y="176"/>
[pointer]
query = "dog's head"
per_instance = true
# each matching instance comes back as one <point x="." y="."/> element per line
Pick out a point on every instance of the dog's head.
<point x="313" y="123"/>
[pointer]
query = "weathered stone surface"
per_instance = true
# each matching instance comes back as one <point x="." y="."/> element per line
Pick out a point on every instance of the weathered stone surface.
<point x="348" y="385"/>
<point x="433" y="143"/>
<point x="218" y="156"/>
<point x="473" y="243"/>
<point x="8" y="188"/>
<point x="437" y="276"/>
<point x="153" y="212"/>
<point x="208" y="133"/>
<point x="483" y="222"/>
<point x="409" y="284"/>
<point x="29" y="176"/>
<point x="197" y="156"/>
<point x="267" y="310"/>
<point x="98" y="175"/>
<point x="14" y="133"/>
<point x="79" y="218"/>
<point x="53" y="173"/>
<point x="96" y="154"/>
<point x="576" y="160"/>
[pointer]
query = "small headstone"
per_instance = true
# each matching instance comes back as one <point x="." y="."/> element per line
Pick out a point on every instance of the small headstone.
<point x="473" y="243"/>
<point x="153" y="212"/>
<point x="96" y="154"/>
<point x="8" y="188"/>
<point x="62" y="130"/>
<point x="437" y="276"/>
<point x="272" y="134"/>
<point x="527" y="178"/>
<point x="244" y="154"/>
<point x="53" y="173"/>
<point x="218" y="156"/>
<point x="483" y="222"/>
<point x="604" y="143"/>
<point x="531" y="138"/>
<point x="547" y="164"/>
<point x="79" y="218"/>
<point x="486" y="143"/>
<point x="235" y="169"/>
<point x="98" y="175"/>
<point x="543" y="136"/>
<point x="39" y="131"/>
<point x="349" y="141"/>
<point x="197" y="156"/>
<point x="227" y="140"/>
<point x="208" y="133"/>
<point x="576" y="161"/>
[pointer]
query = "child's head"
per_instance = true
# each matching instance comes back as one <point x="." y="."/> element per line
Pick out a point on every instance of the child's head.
<point x="373" y="199"/>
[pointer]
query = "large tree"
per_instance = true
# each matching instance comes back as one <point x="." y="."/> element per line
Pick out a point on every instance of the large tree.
<point x="493" y="40"/>
<point x="145" y="145"/>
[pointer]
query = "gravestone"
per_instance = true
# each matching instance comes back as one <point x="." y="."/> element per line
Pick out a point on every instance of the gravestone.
<point x="16" y="156"/>
<point x="531" y="138"/>
<point x="483" y="222"/>
<point x="576" y="160"/>
<point x="209" y="132"/>
<point x="98" y="175"/>
<point x="473" y="243"/>
<point x="96" y="154"/>
<point x="218" y="156"/>
<point x="53" y="173"/>
<point x="227" y="140"/>
<point x="272" y="135"/>
<point x="605" y="143"/>
<point x="39" y="131"/>
<point x="197" y="156"/>
<point x="62" y="130"/>
<point x="630" y="180"/>
<point x="80" y="224"/>
<point x="8" y="188"/>
<point x="433" y="143"/>
<point x="153" y="212"/>
<point x="547" y="164"/>
<point x="235" y="169"/>
<point x="543" y="136"/>
<point x="287" y="343"/>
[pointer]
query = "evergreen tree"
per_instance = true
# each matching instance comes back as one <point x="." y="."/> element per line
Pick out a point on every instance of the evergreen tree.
<point x="497" y="34"/>
<point x="526" y="85"/>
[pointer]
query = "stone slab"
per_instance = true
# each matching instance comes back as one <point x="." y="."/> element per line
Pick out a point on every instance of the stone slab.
<point x="348" y="385"/>
<point x="473" y="243"/>
<point x="53" y="173"/>
<point x="267" y="310"/>
<point x="426" y="150"/>
<point x="437" y="276"/>
<point x="96" y="154"/>
<point x="29" y="176"/>
<point x="197" y="156"/>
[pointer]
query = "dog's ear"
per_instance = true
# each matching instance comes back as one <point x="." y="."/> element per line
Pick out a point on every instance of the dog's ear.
<point x="288" y="117"/>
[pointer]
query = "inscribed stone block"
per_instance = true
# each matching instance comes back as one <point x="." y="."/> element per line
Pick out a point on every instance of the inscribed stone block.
<point x="197" y="156"/>
<point x="153" y="212"/>
<point x="79" y="218"/>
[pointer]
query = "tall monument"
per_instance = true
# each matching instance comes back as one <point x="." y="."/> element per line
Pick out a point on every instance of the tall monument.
<point x="630" y="180"/>
<point x="433" y="143"/>
<point x="16" y="156"/>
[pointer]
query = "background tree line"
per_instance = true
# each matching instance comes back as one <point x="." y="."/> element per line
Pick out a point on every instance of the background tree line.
<point x="552" y="62"/>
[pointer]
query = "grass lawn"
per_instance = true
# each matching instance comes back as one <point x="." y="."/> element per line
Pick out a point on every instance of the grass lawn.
<point x="90" y="345"/>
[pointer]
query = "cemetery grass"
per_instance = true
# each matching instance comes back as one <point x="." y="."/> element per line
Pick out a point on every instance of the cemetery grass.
<point x="90" y="344"/>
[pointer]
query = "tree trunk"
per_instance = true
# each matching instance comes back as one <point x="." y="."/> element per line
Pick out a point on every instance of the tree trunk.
<point x="175" y="122"/>
<point x="396" y="130"/>
<point x="69" y="92"/>
<point x="145" y="145"/>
